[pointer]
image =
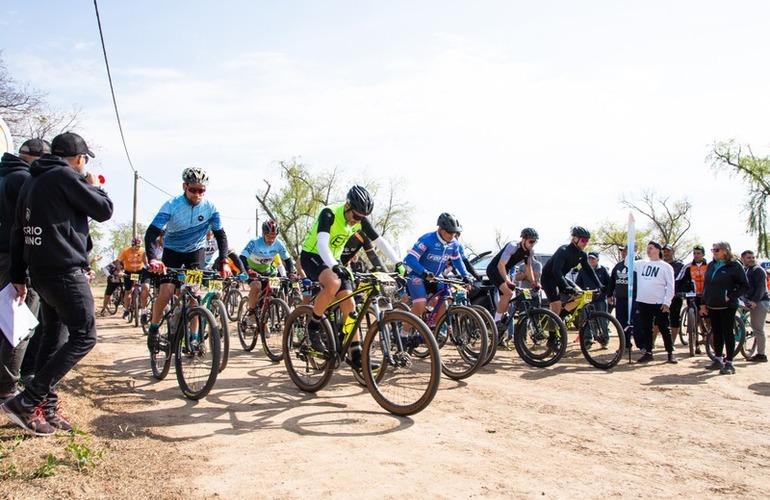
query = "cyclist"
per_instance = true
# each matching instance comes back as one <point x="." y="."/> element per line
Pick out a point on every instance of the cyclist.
<point x="357" y="241"/>
<point x="186" y="218"/>
<point x="132" y="259"/>
<point x="258" y="258"/>
<point x="428" y="258"/>
<point x="499" y="269"/>
<point x="692" y="276"/>
<point x="112" y="271"/>
<point x="562" y="262"/>
<point x="321" y="251"/>
<point x="147" y="280"/>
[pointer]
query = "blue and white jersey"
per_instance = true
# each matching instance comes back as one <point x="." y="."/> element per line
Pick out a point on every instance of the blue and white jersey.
<point x="431" y="253"/>
<point x="186" y="225"/>
<point x="261" y="257"/>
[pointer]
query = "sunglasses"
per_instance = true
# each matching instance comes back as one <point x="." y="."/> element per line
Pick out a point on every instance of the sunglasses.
<point x="196" y="190"/>
<point x="715" y="250"/>
<point x="357" y="217"/>
<point x="86" y="157"/>
<point x="584" y="240"/>
<point x="532" y="242"/>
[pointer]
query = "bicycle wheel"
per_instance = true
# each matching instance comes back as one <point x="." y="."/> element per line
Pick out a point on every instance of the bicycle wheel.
<point x="376" y="356"/>
<point x="198" y="354"/>
<point x="464" y="348"/>
<point x="540" y="337"/>
<point x="160" y="362"/>
<point x="400" y="383"/>
<point x="691" y="327"/>
<point x="309" y="370"/>
<point x="710" y="345"/>
<point x="115" y="300"/>
<point x="271" y="328"/>
<point x="602" y="340"/>
<point x="749" y="345"/>
<point x="248" y="333"/>
<point x="493" y="337"/>
<point x="219" y="311"/>
<point x="232" y="302"/>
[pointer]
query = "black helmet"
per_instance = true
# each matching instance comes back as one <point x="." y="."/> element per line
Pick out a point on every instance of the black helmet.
<point x="270" y="227"/>
<point x="528" y="232"/>
<point x="580" y="232"/>
<point x="449" y="223"/>
<point x="359" y="200"/>
<point x="195" y="175"/>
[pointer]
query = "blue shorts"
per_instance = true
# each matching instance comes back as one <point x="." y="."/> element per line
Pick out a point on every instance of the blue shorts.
<point x="419" y="288"/>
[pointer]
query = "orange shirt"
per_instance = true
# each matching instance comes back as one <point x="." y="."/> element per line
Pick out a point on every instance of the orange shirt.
<point x="132" y="261"/>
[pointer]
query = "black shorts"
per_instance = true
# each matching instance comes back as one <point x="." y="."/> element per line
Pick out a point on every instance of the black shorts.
<point x="494" y="277"/>
<point x="551" y="288"/>
<point x="111" y="286"/>
<point x="190" y="260"/>
<point x="128" y="283"/>
<point x="313" y="265"/>
<point x="675" y="312"/>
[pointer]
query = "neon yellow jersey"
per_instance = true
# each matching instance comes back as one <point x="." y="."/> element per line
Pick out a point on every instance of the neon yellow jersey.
<point x="339" y="233"/>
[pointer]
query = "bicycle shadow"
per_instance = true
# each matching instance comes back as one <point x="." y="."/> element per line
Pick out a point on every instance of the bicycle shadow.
<point x="760" y="388"/>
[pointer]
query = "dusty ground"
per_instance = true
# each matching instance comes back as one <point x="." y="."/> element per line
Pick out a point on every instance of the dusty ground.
<point x="509" y="431"/>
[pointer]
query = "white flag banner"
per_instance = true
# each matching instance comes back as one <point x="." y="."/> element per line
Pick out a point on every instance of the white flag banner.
<point x="630" y="263"/>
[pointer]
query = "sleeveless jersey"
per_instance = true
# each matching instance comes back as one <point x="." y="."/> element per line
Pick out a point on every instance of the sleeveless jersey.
<point x="339" y="234"/>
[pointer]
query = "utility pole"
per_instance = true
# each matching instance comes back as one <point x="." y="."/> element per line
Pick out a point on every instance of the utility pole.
<point x="136" y="188"/>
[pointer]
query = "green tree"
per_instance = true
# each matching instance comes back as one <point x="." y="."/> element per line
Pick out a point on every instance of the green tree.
<point x="608" y="236"/>
<point x="120" y="237"/>
<point x="669" y="219"/>
<point x="737" y="159"/>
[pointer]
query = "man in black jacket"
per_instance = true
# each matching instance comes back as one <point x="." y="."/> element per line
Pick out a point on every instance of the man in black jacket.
<point x="756" y="299"/>
<point x="50" y="238"/>
<point x="14" y="170"/>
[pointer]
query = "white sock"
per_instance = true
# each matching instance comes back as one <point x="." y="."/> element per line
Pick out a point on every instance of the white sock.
<point x="498" y="316"/>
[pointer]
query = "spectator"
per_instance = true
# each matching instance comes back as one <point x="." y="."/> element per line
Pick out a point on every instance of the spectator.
<point x="14" y="170"/>
<point x="756" y="299"/>
<point x="56" y="203"/>
<point x="617" y="292"/>
<point x="725" y="281"/>
<point x="584" y="281"/>
<point x="654" y="291"/>
<point x="675" y="312"/>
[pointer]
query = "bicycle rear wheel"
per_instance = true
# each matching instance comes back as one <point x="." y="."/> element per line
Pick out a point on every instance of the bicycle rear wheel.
<point x="376" y="355"/>
<point x="464" y="348"/>
<point x="271" y="328"/>
<point x="248" y="332"/>
<point x="492" y="336"/>
<point x="540" y="337"/>
<point x="198" y="354"/>
<point x="602" y="340"/>
<point x="400" y="382"/>
<point x="115" y="300"/>
<point x="308" y="369"/>
<point x="219" y="311"/>
<point x="749" y="346"/>
<point x="160" y="362"/>
<point x="691" y="326"/>
<point x="232" y="302"/>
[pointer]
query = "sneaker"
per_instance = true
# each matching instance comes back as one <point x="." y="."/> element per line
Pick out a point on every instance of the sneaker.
<point x="102" y="313"/>
<point x="646" y="358"/>
<point x="553" y="341"/>
<point x="125" y="314"/>
<point x="316" y="338"/>
<point x="152" y="340"/>
<point x="727" y="369"/>
<point x="54" y="417"/>
<point x="672" y="359"/>
<point x="758" y="358"/>
<point x="31" y="420"/>
<point x="715" y="365"/>
<point x="501" y="326"/>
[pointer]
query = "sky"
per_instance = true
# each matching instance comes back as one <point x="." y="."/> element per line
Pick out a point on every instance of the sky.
<point x="506" y="113"/>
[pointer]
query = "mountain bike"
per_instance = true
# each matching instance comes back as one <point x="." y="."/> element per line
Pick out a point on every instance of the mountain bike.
<point x="602" y="339"/>
<point x="460" y="331"/>
<point x="116" y="299"/>
<point x="231" y="296"/>
<point x="693" y="324"/>
<point x="266" y="321"/>
<point x="133" y="301"/>
<point x="745" y="341"/>
<point x="190" y="333"/>
<point x="399" y="381"/>
<point x="461" y="297"/>
<point x="214" y="303"/>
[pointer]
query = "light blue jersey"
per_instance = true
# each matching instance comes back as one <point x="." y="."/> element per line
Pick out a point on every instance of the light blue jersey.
<point x="186" y="225"/>
<point x="261" y="257"/>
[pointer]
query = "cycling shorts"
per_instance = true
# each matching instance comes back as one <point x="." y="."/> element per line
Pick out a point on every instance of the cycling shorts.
<point x="313" y="265"/>
<point x="551" y="288"/>
<point x="128" y="283"/>
<point x="494" y="277"/>
<point x="111" y="286"/>
<point x="190" y="260"/>
<point x="419" y="288"/>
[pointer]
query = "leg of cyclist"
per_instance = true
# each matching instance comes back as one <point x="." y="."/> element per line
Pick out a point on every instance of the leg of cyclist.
<point x="128" y="284"/>
<point x="255" y="290"/>
<point x="506" y="294"/>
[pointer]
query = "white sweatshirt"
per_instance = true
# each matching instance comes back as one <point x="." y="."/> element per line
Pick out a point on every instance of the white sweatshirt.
<point x="654" y="282"/>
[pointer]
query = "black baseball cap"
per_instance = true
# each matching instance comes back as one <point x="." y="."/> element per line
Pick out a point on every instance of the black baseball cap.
<point x="595" y="255"/>
<point x="35" y="147"/>
<point x="70" y="144"/>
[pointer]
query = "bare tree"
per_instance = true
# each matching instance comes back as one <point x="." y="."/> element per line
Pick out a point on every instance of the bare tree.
<point x="670" y="218"/>
<point x="755" y="172"/>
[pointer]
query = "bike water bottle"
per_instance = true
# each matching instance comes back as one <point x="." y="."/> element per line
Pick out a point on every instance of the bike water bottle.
<point x="349" y="322"/>
<point x="306" y="282"/>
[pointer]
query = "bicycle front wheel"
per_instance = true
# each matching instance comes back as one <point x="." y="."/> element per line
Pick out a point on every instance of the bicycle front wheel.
<point x="492" y="336"/>
<point x="219" y="311"/>
<point x="198" y="354"/>
<point x="749" y="345"/>
<point x="309" y="369"/>
<point x="232" y="300"/>
<point x="247" y="326"/>
<point x="691" y="325"/>
<point x="271" y="328"/>
<point x="602" y="340"/>
<point x="465" y="348"/>
<point x="540" y="338"/>
<point x="115" y="300"/>
<point x="400" y="382"/>
<point x="160" y="362"/>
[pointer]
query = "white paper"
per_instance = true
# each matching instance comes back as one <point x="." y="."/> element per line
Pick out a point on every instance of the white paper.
<point x="16" y="321"/>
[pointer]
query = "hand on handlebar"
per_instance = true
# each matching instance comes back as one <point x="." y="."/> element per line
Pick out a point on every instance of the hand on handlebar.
<point x="156" y="266"/>
<point x="428" y="276"/>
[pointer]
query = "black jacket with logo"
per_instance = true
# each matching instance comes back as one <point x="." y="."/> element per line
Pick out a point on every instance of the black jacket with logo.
<point x="724" y="286"/>
<point x="13" y="172"/>
<point x="50" y="235"/>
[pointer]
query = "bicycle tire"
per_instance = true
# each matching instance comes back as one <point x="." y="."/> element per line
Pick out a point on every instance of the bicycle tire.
<point x="402" y="385"/>
<point x="271" y="328"/>
<point x="309" y="370"/>
<point x="493" y="338"/>
<point x="602" y="340"/>
<point x="248" y="331"/>
<point x="219" y="311"/>
<point x="401" y="306"/>
<point x="135" y="306"/>
<point x="376" y="356"/>
<point x="160" y="362"/>
<point x="540" y="337"/>
<point x="232" y="302"/>
<point x="692" y="330"/>
<point x="116" y="298"/>
<point x="464" y="348"/>
<point x="197" y="364"/>
<point x="749" y="345"/>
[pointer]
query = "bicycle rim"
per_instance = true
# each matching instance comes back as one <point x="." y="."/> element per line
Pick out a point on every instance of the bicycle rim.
<point x="248" y="332"/>
<point x="160" y="362"/>
<point x="198" y="353"/>
<point x="492" y="335"/>
<point x="403" y="384"/>
<point x="309" y="370"/>
<point x="540" y="338"/>
<point x="602" y="340"/>
<point x="376" y="356"/>
<point x="466" y="346"/>
<point x="272" y="329"/>
<point x="692" y="329"/>
<point x="232" y="302"/>
<point x="219" y="311"/>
